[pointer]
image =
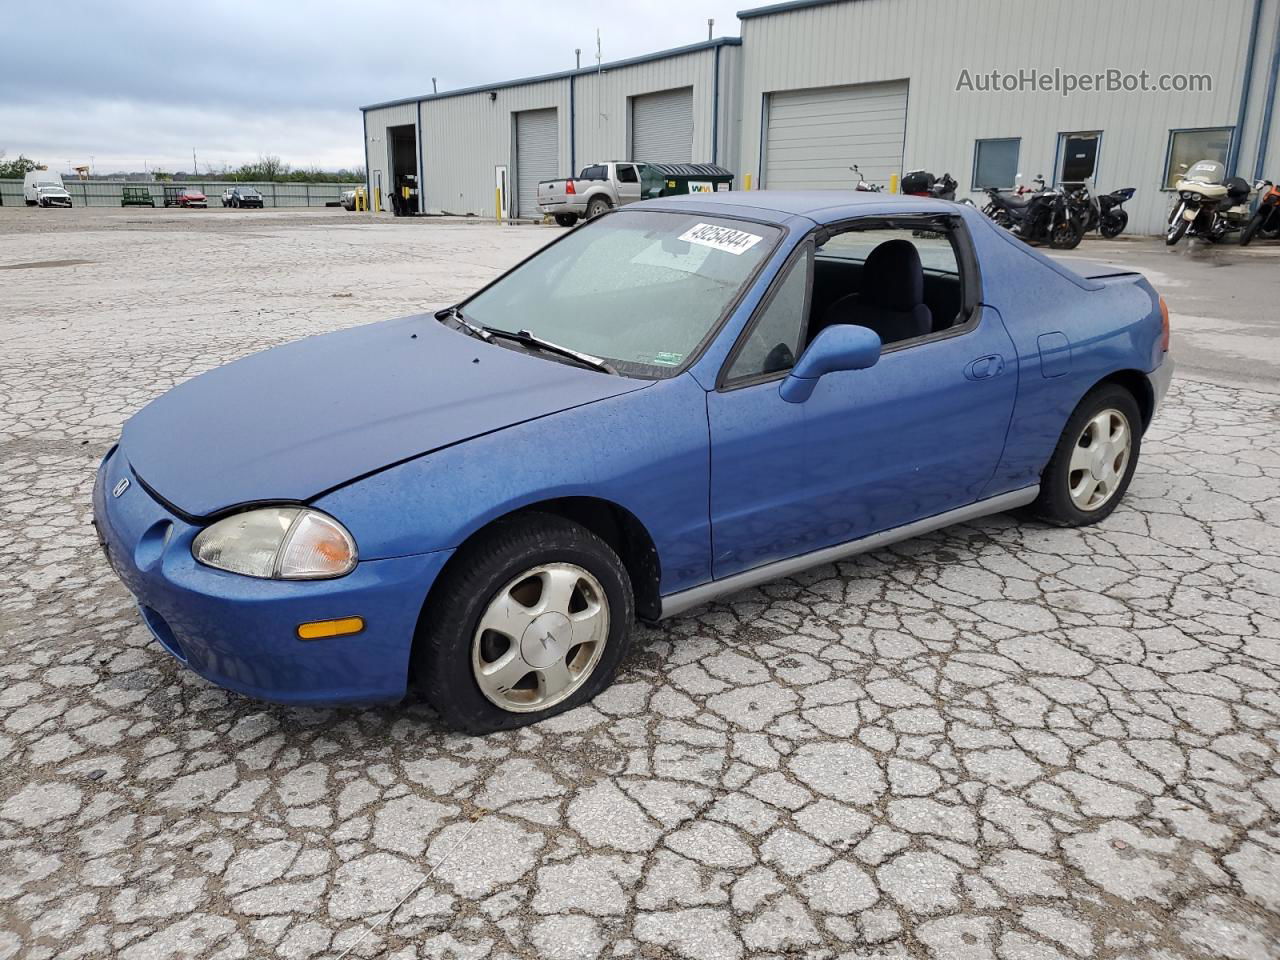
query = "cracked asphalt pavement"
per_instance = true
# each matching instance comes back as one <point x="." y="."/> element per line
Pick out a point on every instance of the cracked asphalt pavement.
<point x="999" y="740"/>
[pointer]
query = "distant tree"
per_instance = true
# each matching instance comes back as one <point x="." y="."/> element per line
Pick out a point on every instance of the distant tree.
<point x="15" y="169"/>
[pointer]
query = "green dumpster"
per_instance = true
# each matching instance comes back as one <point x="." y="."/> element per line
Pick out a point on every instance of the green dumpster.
<point x="672" y="179"/>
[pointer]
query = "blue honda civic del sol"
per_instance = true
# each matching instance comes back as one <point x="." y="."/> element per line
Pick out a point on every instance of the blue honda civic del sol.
<point x="677" y="400"/>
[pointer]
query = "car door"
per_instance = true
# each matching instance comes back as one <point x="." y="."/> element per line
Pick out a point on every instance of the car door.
<point x="915" y="435"/>
<point x="628" y="182"/>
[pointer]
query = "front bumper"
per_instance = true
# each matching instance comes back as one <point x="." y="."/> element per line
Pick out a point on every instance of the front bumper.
<point x="55" y="201"/>
<point x="241" y="632"/>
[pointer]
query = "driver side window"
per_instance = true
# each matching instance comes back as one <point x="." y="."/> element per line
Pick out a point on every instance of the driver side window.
<point x="776" y="332"/>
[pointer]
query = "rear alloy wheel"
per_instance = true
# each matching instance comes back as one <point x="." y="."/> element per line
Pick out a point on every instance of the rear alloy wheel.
<point x="1113" y="224"/>
<point x="597" y="206"/>
<point x="1092" y="466"/>
<point x="531" y="618"/>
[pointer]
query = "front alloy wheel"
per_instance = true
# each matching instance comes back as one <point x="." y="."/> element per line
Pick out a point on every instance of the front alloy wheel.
<point x="540" y="637"/>
<point x="531" y="617"/>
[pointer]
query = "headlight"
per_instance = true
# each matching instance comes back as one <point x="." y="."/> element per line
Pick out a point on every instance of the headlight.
<point x="278" y="543"/>
<point x="1188" y="195"/>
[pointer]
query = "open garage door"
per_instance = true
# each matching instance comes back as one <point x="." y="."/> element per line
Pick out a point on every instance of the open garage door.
<point x="537" y="156"/>
<point x="814" y="136"/>
<point x="662" y="126"/>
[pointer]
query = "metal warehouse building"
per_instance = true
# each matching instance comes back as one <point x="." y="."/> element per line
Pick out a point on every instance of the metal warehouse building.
<point x="892" y="85"/>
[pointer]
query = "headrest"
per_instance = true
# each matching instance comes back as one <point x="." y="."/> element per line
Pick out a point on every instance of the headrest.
<point x="892" y="276"/>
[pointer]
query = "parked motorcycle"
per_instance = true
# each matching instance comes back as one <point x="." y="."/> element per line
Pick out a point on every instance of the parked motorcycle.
<point x="921" y="183"/>
<point x="1038" y="216"/>
<point x="1208" y="204"/>
<point x="1265" y="221"/>
<point x="863" y="185"/>
<point x="1104" y="213"/>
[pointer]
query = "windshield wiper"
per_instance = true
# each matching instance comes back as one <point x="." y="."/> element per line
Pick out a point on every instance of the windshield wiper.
<point x="529" y="339"/>
<point x="463" y="324"/>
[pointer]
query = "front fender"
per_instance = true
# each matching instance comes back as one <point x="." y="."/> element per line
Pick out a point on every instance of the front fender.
<point x="646" y="451"/>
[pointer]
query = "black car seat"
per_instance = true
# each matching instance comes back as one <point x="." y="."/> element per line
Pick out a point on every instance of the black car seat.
<point x="891" y="301"/>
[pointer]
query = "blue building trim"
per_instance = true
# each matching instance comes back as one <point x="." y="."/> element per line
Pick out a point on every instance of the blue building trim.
<point x="784" y="8"/>
<point x="715" y="110"/>
<point x="1233" y="158"/>
<point x="565" y="74"/>
<point x="422" y="174"/>
<point x="1268" y="112"/>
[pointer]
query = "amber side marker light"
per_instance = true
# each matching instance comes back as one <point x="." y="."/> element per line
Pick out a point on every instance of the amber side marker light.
<point x="1164" y="320"/>
<point x="320" y="629"/>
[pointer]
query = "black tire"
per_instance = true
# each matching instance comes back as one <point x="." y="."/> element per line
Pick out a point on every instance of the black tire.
<point x="1113" y="224"/>
<point x="442" y="649"/>
<point x="1054" y="503"/>
<point x="1251" y="228"/>
<point x="1177" y="228"/>
<point x="597" y="206"/>
<point x="1067" y="234"/>
<point x="566" y="219"/>
<point x="30" y="203"/>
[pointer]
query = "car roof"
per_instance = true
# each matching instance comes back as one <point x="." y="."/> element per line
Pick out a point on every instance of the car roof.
<point x="821" y="206"/>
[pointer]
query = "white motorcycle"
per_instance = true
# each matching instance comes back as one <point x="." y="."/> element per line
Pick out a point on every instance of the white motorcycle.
<point x="1208" y="203"/>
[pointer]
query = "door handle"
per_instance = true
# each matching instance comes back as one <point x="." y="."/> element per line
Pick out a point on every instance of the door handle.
<point x="984" y="367"/>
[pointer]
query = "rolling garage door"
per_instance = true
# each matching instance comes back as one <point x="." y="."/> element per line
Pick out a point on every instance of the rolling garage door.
<point x="814" y="136"/>
<point x="537" y="156"/>
<point x="662" y="126"/>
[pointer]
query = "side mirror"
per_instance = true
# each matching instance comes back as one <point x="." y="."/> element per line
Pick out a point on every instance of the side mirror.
<point x="841" y="346"/>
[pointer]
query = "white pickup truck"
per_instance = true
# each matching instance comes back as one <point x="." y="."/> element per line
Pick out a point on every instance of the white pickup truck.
<point x="599" y="187"/>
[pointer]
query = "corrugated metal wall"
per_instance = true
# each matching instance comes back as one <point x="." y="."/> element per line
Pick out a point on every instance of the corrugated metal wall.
<point x="604" y="117"/>
<point x="870" y="40"/>
<point x="377" y="146"/>
<point x="466" y="137"/>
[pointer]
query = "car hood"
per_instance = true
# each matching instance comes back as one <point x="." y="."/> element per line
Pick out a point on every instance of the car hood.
<point x="298" y="420"/>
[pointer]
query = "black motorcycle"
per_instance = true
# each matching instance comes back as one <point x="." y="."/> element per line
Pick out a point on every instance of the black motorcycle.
<point x="1105" y="213"/>
<point x="1040" y="216"/>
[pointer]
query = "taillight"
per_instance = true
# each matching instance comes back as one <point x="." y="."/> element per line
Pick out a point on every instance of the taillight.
<point x="1164" y="326"/>
<point x="568" y="187"/>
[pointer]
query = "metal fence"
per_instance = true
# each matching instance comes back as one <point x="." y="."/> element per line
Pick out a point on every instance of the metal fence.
<point x="108" y="193"/>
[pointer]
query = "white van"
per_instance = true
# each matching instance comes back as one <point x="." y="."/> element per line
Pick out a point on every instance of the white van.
<point x="44" y="189"/>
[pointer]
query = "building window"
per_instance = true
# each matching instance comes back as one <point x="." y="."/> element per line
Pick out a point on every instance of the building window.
<point x="1078" y="153"/>
<point x="995" y="163"/>
<point x="1189" y="147"/>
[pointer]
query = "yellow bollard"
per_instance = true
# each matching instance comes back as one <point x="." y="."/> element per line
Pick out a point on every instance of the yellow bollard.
<point x="893" y="183"/>
<point x="746" y="182"/>
<point x="497" y="204"/>
<point x="377" y="199"/>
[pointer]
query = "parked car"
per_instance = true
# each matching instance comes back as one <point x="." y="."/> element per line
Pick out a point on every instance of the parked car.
<point x="40" y="188"/>
<point x="601" y="187"/>
<point x="242" y="197"/>
<point x="180" y="196"/>
<point x="493" y="492"/>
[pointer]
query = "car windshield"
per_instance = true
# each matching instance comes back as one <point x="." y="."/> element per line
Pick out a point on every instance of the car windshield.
<point x="49" y="184"/>
<point x="641" y="289"/>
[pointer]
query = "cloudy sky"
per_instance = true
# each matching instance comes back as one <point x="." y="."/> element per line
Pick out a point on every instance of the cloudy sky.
<point x="135" y="82"/>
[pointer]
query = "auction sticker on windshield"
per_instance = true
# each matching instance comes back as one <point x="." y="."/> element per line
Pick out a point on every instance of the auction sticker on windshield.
<point x="727" y="239"/>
